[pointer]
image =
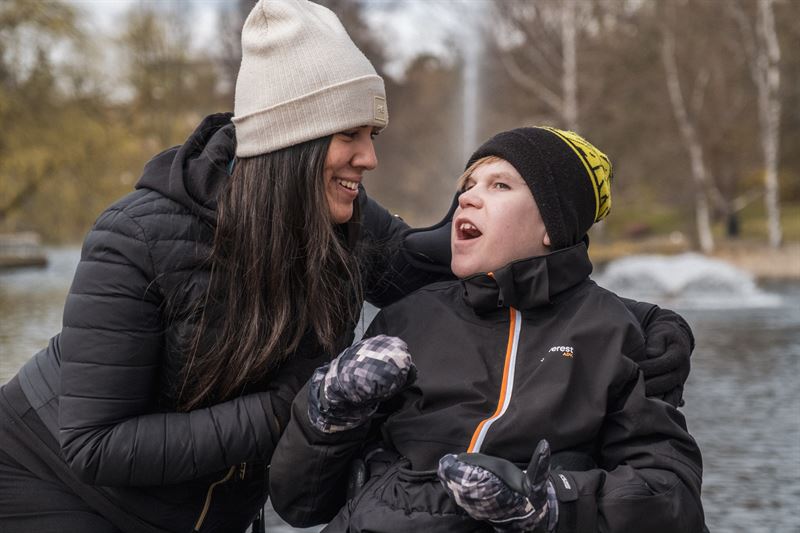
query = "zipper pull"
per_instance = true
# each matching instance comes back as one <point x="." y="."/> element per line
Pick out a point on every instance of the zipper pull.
<point x="242" y="470"/>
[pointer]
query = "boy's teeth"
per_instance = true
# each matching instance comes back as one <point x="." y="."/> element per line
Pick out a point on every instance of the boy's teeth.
<point x="468" y="230"/>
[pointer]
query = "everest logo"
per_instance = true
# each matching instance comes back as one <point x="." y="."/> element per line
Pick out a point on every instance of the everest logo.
<point x="566" y="351"/>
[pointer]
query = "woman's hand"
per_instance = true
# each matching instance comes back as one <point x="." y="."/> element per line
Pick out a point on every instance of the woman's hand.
<point x="495" y="490"/>
<point x="669" y="347"/>
<point x="346" y="392"/>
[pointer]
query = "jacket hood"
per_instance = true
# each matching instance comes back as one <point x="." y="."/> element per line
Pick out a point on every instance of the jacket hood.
<point x="192" y="173"/>
<point x="528" y="283"/>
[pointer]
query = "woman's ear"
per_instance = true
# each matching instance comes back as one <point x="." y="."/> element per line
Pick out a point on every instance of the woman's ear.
<point x="546" y="240"/>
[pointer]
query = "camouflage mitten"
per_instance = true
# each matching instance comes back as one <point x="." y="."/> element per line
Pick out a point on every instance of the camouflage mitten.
<point x="495" y="490"/>
<point x="346" y="392"/>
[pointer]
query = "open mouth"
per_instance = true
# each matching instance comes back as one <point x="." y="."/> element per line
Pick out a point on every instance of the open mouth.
<point x="467" y="231"/>
<point x="348" y="184"/>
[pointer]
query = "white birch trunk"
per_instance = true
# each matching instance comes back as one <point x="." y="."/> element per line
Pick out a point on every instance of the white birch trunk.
<point x="569" y="79"/>
<point x="691" y="142"/>
<point x="768" y="79"/>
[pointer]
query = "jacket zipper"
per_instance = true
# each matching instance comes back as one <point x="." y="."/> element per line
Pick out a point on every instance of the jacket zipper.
<point x="210" y="492"/>
<point x="507" y="386"/>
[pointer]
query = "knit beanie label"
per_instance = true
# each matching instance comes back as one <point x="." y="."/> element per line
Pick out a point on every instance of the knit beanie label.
<point x="379" y="113"/>
<point x="597" y="166"/>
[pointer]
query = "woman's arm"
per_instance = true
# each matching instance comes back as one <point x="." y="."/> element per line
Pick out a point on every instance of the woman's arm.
<point x="666" y="361"/>
<point x="389" y="273"/>
<point x="111" y="432"/>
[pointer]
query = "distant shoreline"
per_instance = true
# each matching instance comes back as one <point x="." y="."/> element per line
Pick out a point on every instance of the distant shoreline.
<point x="21" y="250"/>
<point x="761" y="261"/>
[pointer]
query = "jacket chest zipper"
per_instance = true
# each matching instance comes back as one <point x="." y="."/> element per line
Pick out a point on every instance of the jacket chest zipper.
<point x="210" y="493"/>
<point x="507" y="385"/>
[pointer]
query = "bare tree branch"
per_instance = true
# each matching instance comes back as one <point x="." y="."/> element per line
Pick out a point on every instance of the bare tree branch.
<point x="527" y="82"/>
<point x="699" y="90"/>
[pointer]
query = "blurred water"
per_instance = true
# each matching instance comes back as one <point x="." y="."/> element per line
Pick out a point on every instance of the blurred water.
<point x="686" y="281"/>
<point x="743" y="407"/>
<point x="742" y="398"/>
<point x="31" y="304"/>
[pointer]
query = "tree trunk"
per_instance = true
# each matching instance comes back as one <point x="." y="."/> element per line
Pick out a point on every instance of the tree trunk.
<point x="769" y="107"/>
<point x="570" y="69"/>
<point x="691" y="142"/>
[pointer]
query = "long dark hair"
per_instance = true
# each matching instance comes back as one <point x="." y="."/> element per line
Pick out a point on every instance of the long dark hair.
<point x="279" y="270"/>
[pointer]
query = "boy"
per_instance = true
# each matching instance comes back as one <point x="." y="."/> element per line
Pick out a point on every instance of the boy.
<point x="523" y="355"/>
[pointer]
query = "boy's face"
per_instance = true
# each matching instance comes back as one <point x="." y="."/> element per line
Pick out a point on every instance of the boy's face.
<point x="496" y="221"/>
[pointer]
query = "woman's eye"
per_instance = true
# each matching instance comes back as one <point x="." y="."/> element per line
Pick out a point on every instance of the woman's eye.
<point x="349" y="134"/>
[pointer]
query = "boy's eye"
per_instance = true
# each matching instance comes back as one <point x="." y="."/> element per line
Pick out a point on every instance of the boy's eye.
<point x="501" y="185"/>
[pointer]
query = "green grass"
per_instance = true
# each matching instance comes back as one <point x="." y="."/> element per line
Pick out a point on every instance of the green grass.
<point x="753" y="222"/>
<point x="661" y="221"/>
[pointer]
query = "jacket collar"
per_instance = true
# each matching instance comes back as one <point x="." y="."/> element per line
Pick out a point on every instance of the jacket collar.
<point x="528" y="283"/>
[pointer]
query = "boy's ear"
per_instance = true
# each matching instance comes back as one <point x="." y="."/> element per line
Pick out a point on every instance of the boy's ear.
<point x="546" y="240"/>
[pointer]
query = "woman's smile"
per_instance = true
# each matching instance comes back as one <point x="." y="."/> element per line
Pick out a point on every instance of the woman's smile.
<point x="350" y="153"/>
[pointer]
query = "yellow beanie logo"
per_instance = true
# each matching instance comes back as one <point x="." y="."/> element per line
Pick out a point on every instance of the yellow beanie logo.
<point x="597" y="166"/>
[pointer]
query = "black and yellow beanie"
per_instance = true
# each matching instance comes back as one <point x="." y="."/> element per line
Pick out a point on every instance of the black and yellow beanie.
<point x="570" y="179"/>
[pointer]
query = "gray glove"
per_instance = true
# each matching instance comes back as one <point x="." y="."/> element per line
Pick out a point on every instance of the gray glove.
<point x="495" y="490"/>
<point x="346" y="392"/>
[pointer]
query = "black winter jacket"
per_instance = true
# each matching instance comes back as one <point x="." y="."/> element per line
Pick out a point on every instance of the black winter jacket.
<point x="537" y="350"/>
<point x="106" y="386"/>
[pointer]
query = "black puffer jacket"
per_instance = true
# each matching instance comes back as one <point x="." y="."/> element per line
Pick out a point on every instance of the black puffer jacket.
<point x="534" y="351"/>
<point x="106" y="387"/>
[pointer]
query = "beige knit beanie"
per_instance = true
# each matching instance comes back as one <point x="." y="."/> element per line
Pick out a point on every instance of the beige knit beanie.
<point x="301" y="78"/>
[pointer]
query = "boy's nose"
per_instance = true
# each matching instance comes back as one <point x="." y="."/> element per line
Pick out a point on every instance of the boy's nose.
<point x="470" y="198"/>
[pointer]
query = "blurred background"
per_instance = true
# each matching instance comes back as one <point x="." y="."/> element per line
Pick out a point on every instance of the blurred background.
<point x="697" y="103"/>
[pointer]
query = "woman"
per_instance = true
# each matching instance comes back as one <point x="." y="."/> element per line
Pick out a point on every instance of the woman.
<point x="205" y="299"/>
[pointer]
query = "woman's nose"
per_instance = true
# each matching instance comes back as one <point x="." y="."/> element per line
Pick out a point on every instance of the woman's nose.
<point x="364" y="156"/>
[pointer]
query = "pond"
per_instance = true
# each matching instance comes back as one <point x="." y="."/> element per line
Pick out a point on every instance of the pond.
<point x="742" y="398"/>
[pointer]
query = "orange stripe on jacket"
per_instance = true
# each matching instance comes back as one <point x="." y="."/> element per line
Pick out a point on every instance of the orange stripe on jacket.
<point x="504" y="387"/>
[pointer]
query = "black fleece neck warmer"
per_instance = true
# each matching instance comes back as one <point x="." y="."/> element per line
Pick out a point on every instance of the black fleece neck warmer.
<point x="570" y="179"/>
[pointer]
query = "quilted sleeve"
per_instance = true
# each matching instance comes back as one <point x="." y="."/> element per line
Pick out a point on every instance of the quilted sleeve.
<point x="112" y="345"/>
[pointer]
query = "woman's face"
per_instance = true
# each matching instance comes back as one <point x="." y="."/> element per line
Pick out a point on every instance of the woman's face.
<point x="496" y="221"/>
<point x="350" y="153"/>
